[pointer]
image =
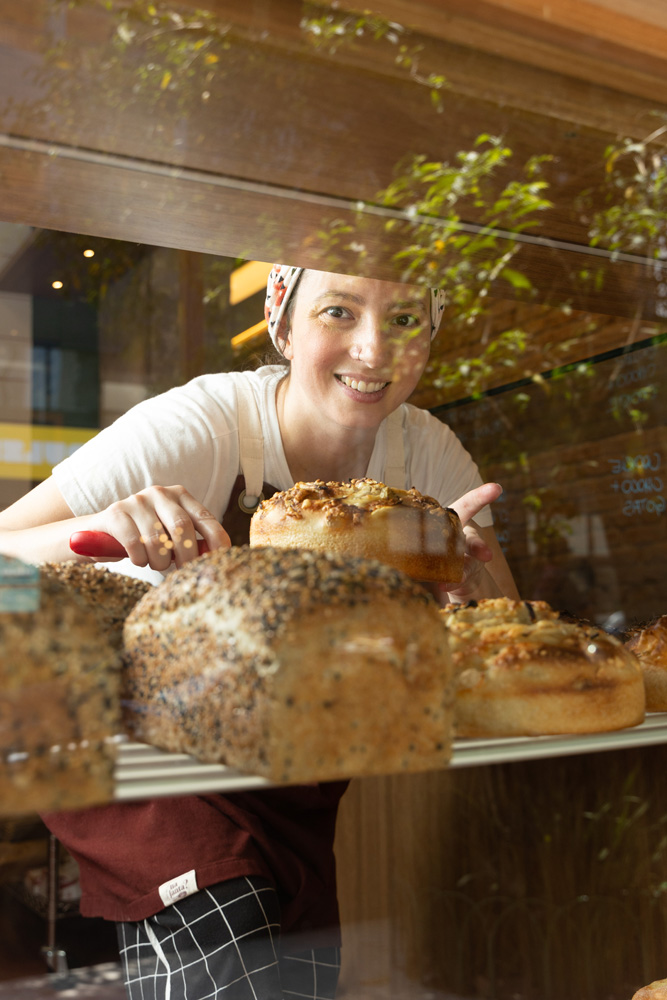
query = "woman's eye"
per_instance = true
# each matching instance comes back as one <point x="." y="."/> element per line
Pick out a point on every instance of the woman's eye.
<point x="336" y="311"/>
<point x="408" y="319"/>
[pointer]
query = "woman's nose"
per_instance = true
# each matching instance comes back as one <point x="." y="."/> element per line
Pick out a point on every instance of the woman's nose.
<point x="370" y="344"/>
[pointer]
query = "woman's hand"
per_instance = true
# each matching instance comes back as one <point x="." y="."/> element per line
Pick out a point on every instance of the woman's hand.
<point x="476" y="582"/>
<point x="159" y="524"/>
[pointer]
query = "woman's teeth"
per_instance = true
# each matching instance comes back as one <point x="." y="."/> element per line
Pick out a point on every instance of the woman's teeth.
<point x="362" y="386"/>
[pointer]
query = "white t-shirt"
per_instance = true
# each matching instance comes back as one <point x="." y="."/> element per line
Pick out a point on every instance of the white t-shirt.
<point x="189" y="436"/>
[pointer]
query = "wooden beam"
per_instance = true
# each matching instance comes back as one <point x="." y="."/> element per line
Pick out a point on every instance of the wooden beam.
<point x="640" y="26"/>
<point x="193" y="212"/>
<point x="628" y="54"/>
<point x="228" y="174"/>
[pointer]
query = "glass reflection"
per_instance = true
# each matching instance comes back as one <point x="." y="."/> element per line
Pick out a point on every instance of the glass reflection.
<point x="185" y="141"/>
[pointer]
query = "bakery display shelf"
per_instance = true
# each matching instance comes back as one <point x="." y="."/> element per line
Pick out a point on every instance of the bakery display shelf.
<point x="144" y="772"/>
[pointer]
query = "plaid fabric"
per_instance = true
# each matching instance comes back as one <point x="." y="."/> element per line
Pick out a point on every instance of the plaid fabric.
<point x="222" y="943"/>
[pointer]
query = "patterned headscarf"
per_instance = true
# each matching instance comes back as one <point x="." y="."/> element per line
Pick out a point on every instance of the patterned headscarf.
<point x="282" y="282"/>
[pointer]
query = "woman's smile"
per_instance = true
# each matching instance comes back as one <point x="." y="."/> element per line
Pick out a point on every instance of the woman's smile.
<point x="371" y="391"/>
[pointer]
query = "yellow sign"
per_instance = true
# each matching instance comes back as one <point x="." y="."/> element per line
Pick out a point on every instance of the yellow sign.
<point x="247" y="279"/>
<point x="28" y="451"/>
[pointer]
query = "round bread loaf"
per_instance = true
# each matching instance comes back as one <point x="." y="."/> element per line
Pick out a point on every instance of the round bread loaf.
<point x="110" y="595"/>
<point x="521" y="671"/>
<point x="59" y="698"/>
<point x="401" y="528"/>
<point x="657" y="990"/>
<point x="497" y="611"/>
<point x="649" y="644"/>
<point x="295" y="665"/>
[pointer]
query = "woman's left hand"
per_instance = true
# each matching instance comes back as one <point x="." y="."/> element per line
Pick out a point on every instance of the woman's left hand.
<point x="476" y="582"/>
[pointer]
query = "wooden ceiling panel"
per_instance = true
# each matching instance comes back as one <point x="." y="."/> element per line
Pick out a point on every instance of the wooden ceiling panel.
<point x="185" y="210"/>
<point x="618" y="44"/>
<point x="295" y="121"/>
<point x="230" y="130"/>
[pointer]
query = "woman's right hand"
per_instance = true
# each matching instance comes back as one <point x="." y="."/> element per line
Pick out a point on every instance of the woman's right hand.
<point x="159" y="524"/>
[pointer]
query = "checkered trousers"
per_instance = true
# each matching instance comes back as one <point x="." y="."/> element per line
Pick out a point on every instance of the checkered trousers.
<point x="223" y="943"/>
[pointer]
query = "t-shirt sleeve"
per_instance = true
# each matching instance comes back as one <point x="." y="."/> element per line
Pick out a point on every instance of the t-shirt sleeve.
<point x="437" y="459"/>
<point x="165" y="441"/>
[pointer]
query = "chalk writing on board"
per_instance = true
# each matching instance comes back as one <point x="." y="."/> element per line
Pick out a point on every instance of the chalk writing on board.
<point x="635" y="385"/>
<point x="634" y="374"/>
<point x="639" y="483"/>
<point x="644" y="505"/>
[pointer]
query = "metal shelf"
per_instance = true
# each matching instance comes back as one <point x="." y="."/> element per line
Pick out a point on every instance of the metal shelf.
<point x="144" y="772"/>
<point x="472" y="753"/>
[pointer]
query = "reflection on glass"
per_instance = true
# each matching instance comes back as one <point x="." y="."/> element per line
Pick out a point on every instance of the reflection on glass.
<point x="561" y="406"/>
<point x="183" y="143"/>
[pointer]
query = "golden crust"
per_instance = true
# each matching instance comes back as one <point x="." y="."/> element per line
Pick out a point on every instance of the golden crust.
<point x="401" y="528"/>
<point x="497" y="611"/>
<point x="649" y="644"/>
<point x="656" y="990"/>
<point x="521" y="671"/>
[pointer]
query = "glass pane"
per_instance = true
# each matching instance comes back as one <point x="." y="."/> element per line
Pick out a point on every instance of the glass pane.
<point x="156" y="157"/>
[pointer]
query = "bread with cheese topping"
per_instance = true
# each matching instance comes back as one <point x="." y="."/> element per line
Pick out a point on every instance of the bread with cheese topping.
<point x="402" y="528"/>
<point x="649" y="644"/>
<point x="522" y="671"/>
<point x="657" y="990"/>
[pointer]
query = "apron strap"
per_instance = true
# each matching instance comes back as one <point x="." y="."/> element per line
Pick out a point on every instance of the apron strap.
<point x="236" y="519"/>
<point x="251" y="444"/>
<point x="394" y="470"/>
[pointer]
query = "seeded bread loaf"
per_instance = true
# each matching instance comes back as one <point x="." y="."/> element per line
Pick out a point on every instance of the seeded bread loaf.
<point x="59" y="696"/>
<point x="522" y="671"/>
<point x="295" y="665"/>
<point x="110" y="595"/>
<point x="402" y="528"/>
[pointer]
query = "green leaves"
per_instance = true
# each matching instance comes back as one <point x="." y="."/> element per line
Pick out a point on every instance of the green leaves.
<point x="441" y="247"/>
<point x="331" y="30"/>
<point x="634" y="188"/>
<point x="516" y="278"/>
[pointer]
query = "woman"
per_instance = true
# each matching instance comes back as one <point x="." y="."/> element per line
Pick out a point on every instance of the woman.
<point x="256" y="866"/>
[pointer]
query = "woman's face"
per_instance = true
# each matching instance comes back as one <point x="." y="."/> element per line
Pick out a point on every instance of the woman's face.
<point x="357" y="346"/>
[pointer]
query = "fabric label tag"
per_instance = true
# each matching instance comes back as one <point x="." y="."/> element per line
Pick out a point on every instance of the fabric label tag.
<point x="178" y="888"/>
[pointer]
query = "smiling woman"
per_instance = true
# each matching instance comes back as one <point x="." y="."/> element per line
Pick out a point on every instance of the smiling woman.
<point x="357" y="349"/>
<point x="169" y="469"/>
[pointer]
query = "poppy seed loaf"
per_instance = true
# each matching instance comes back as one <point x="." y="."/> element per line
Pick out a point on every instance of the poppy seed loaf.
<point x="110" y="595"/>
<point x="294" y="665"/>
<point x="59" y="697"/>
